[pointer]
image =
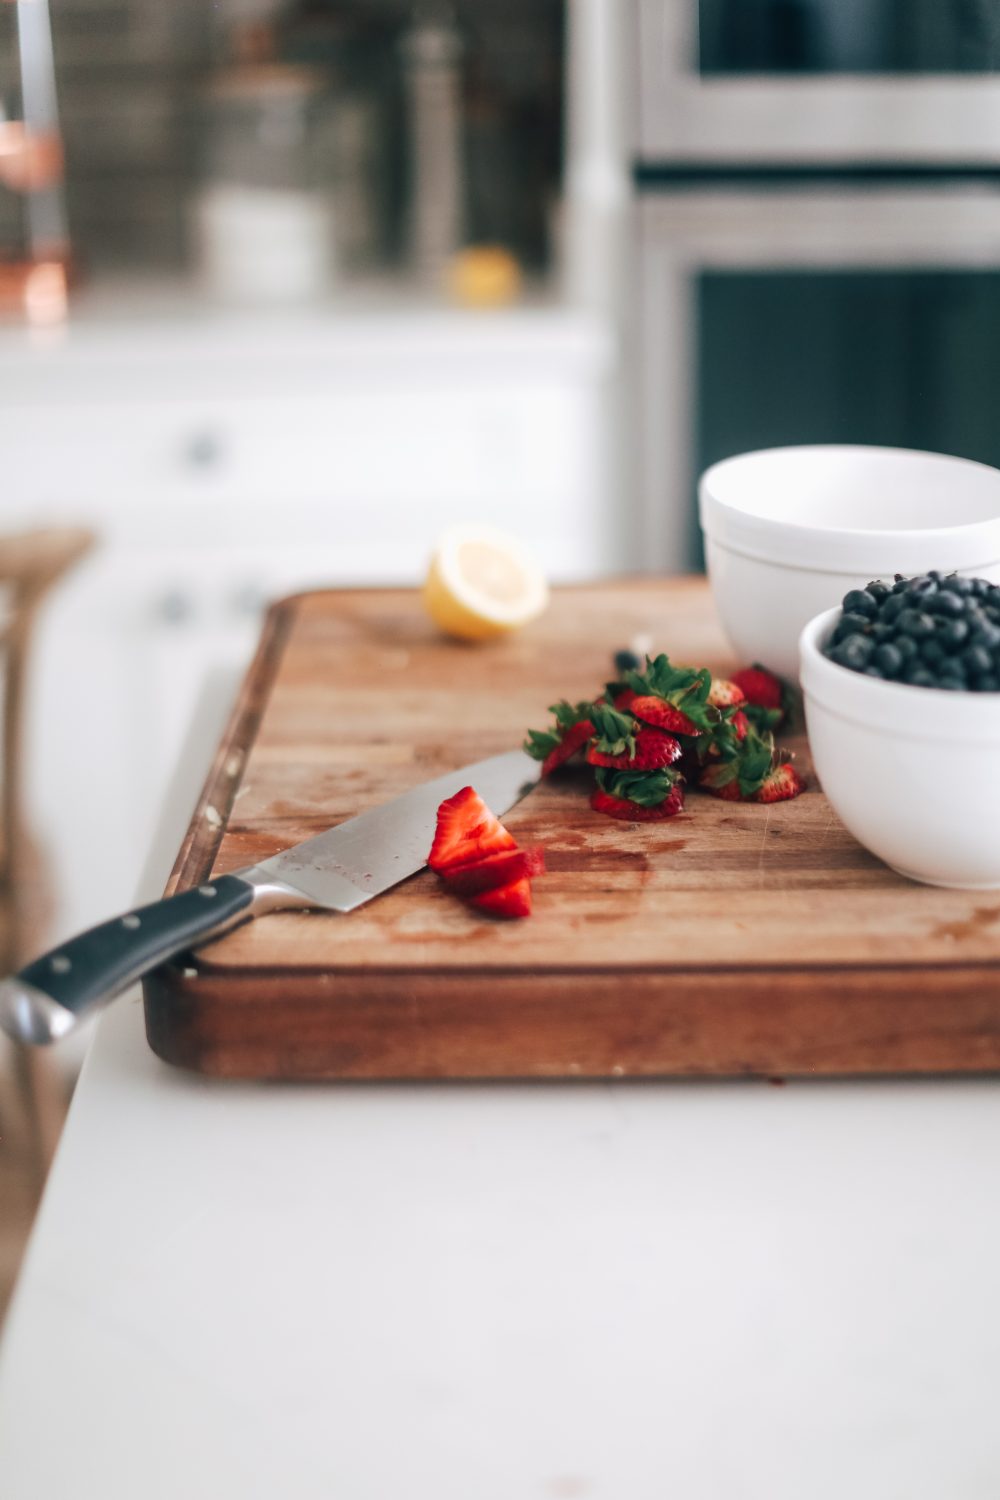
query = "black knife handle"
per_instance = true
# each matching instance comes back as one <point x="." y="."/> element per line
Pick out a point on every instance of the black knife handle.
<point x="49" y="997"/>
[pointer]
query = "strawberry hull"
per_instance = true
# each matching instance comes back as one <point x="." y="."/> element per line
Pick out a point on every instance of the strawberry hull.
<point x="653" y="750"/>
<point x="660" y="714"/>
<point x="633" y="812"/>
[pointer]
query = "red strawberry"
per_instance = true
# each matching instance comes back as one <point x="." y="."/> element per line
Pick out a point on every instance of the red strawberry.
<point x="728" y="792"/>
<point x="513" y="900"/>
<point x="662" y="715"/>
<point x="725" y="694"/>
<point x="634" y="812"/>
<point x="783" y="782"/>
<point x="466" y="830"/>
<point x="625" y="699"/>
<point x="573" y="740"/>
<point x="760" y="687"/>
<point x="653" y="749"/>
<point x="495" y="870"/>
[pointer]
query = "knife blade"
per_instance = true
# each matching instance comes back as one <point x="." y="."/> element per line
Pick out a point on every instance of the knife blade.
<point x="338" y="871"/>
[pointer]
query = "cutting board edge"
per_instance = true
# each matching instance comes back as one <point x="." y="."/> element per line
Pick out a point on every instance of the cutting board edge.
<point x="210" y="817"/>
<point x="835" y="1022"/>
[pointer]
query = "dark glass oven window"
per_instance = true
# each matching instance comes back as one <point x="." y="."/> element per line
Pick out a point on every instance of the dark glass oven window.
<point x="848" y="36"/>
<point x="908" y="359"/>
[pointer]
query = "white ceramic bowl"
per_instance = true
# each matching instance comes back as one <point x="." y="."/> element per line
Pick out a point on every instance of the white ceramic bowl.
<point x="910" y="771"/>
<point x="789" y="530"/>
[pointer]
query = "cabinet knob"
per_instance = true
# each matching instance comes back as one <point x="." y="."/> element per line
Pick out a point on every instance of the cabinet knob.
<point x="175" y="607"/>
<point x="205" y="450"/>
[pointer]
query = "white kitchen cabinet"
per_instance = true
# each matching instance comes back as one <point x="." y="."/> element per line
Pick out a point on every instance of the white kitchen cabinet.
<point x="224" y="459"/>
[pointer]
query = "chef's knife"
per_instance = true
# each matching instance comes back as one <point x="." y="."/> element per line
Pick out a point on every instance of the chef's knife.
<point x="335" y="871"/>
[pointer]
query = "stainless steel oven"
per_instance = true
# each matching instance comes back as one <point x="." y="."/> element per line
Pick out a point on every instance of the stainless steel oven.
<point x="817" y="198"/>
<point x="819" y="80"/>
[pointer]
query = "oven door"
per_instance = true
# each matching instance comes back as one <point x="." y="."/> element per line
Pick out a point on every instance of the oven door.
<point x="835" y="81"/>
<point x="769" y="318"/>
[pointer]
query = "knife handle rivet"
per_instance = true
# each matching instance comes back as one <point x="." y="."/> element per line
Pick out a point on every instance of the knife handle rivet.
<point x="207" y="890"/>
<point x="131" y="921"/>
<point x="61" y="964"/>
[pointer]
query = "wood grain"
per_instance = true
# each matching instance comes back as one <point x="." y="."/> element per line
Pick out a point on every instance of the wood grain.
<point x="732" y="940"/>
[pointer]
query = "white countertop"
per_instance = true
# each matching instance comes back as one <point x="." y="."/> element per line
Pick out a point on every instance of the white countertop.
<point x="622" y="1291"/>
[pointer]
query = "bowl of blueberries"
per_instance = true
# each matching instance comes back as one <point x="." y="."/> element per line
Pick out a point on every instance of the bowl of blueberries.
<point x="901" y="687"/>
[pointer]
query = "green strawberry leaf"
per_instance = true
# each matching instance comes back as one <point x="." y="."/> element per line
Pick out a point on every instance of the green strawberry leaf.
<point x="614" y="732"/>
<point x="646" y="788"/>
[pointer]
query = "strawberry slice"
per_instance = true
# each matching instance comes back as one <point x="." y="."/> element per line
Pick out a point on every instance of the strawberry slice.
<point x="634" y="812"/>
<point x="653" y="749"/>
<point x="513" y="900"/>
<point x="503" y="868"/>
<point x="466" y="830"/>
<point x="663" y="715"/>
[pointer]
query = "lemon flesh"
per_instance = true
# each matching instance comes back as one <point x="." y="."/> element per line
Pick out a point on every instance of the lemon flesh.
<point x="483" y="584"/>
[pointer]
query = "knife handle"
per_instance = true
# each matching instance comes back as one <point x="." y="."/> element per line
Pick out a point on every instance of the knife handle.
<point x="52" y="995"/>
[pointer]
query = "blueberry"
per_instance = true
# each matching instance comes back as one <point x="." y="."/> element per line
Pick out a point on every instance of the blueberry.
<point x="977" y="659"/>
<point x="906" y="646"/>
<point x="945" y="604"/>
<point x="855" y="652"/>
<point x="918" y="677"/>
<point x="901" y="584"/>
<point x="951" y="684"/>
<point x="953" y="633"/>
<point x="932" y="652"/>
<point x="850" y="624"/>
<point x="626" y="661"/>
<point x="921" y="586"/>
<point x="860" y="602"/>
<point x="987" y="634"/>
<point x="878" y="590"/>
<point x="888" y="658"/>
<point x="988" y="683"/>
<point x="981" y="587"/>
<point x="874" y="672"/>
<point x="956" y="585"/>
<point x="891" y="608"/>
<point x="914" y="622"/>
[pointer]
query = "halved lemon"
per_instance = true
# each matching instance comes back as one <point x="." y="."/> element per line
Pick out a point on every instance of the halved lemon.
<point x="483" y="583"/>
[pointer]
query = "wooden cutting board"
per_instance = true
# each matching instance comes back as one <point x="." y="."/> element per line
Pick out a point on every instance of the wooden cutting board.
<point x="731" y="940"/>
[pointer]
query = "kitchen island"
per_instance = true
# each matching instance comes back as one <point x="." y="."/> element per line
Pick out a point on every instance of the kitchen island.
<point x="608" y="1291"/>
<point x="585" y="1290"/>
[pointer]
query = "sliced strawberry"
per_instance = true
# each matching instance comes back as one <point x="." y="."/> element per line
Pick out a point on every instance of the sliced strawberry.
<point x="572" y="740"/>
<point x="494" y="870"/>
<point x="740" y="723"/>
<point x="663" y="715"/>
<point x="725" y="694"/>
<point x="653" y="749"/>
<point x="634" y="812"/>
<point x="466" y="830"/>
<point x="783" y="782"/>
<point x="513" y="900"/>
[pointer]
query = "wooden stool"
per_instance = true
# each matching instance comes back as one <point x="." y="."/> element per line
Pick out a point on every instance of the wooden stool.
<point x="30" y="564"/>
